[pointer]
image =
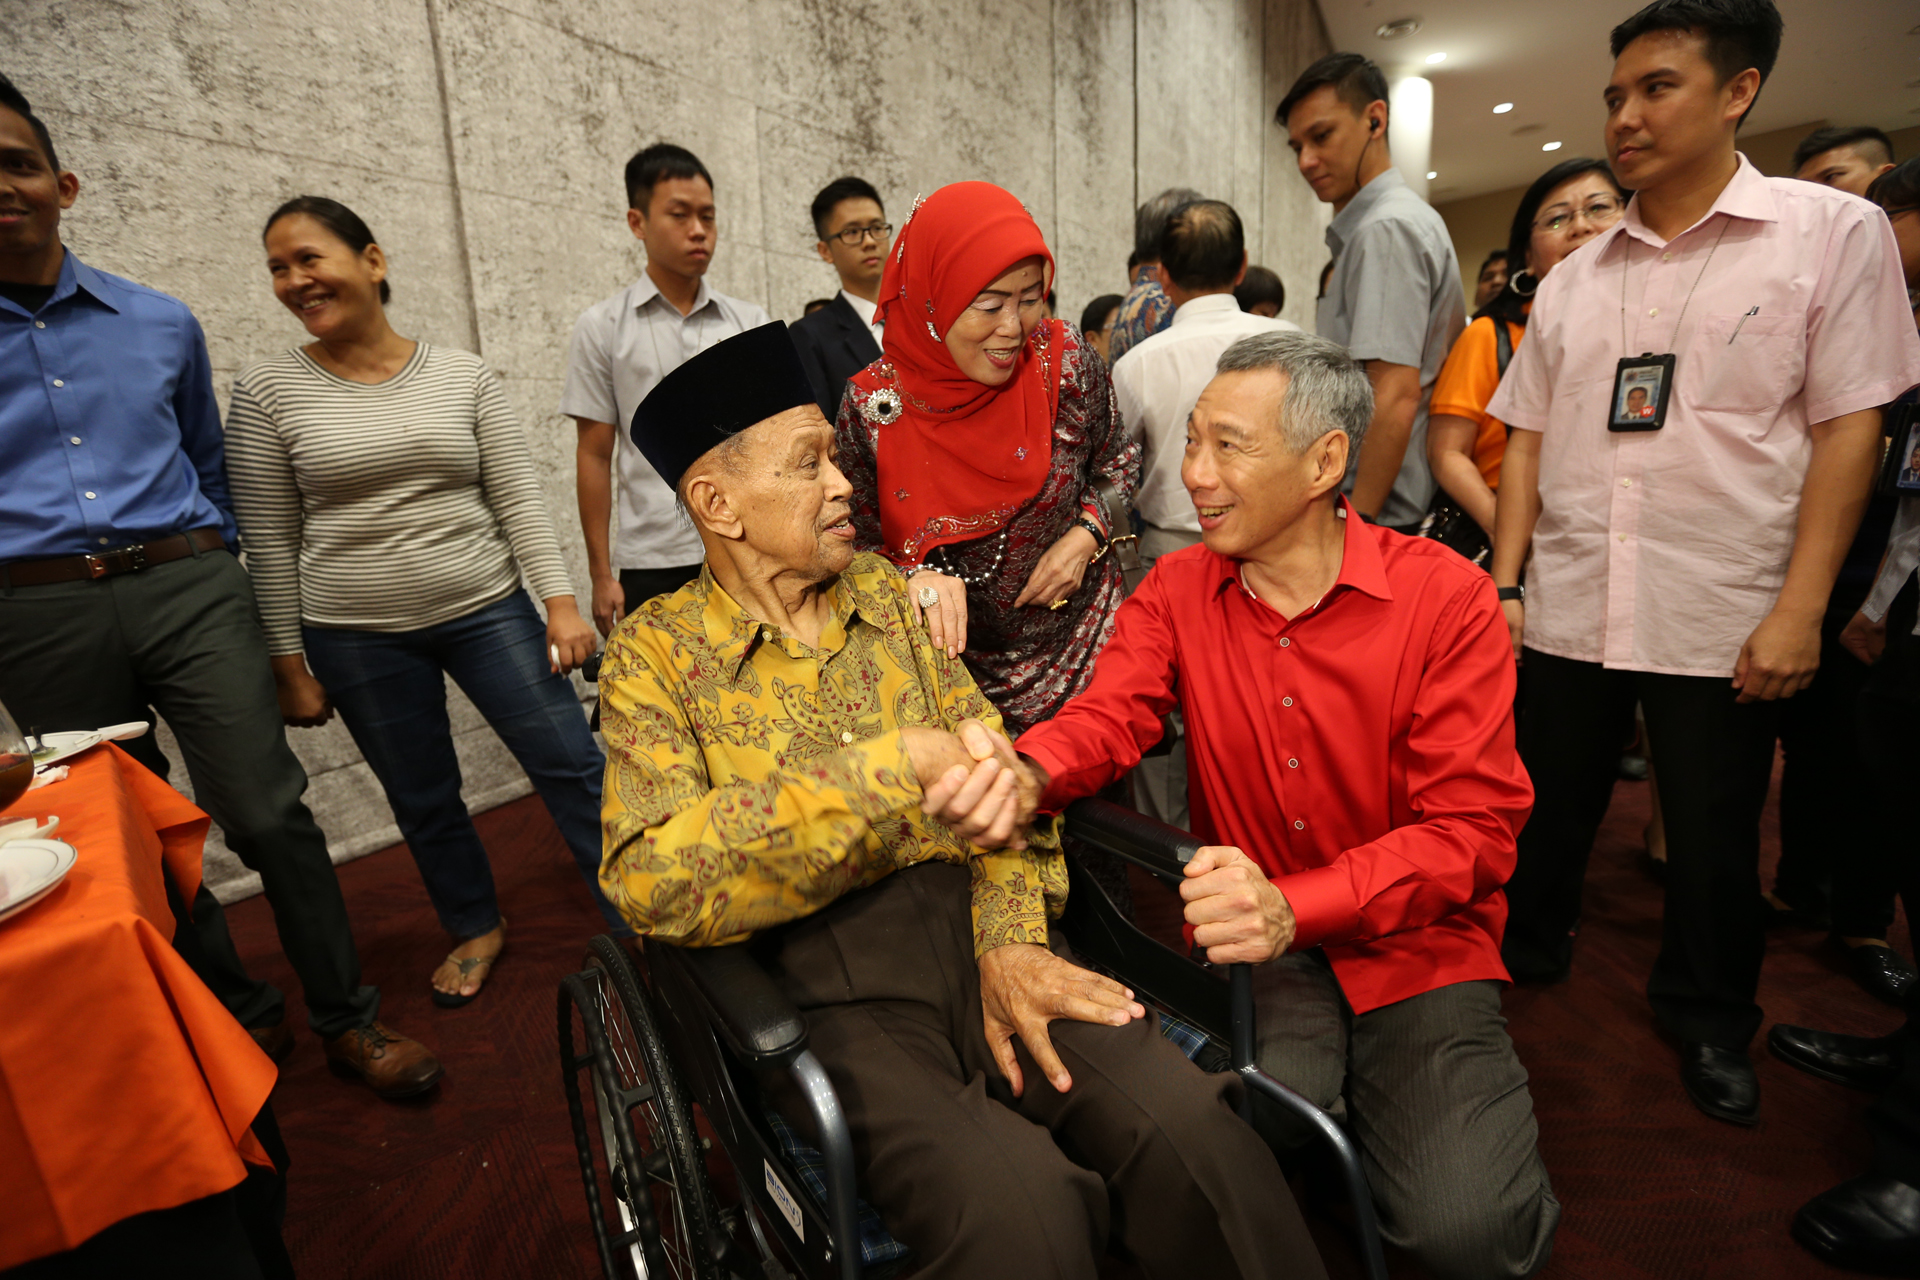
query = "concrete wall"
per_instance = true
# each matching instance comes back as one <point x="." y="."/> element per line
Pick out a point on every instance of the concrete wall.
<point x="1479" y="224"/>
<point x="483" y="140"/>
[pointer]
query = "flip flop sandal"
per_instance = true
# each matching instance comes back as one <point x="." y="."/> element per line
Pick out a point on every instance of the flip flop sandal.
<point x="466" y="965"/>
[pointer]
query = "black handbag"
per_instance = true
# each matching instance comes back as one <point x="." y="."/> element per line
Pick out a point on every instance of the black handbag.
<point x="1446" y="521"/>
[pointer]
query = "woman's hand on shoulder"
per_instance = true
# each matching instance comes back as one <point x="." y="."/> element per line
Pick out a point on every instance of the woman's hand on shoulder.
<point x="1060" y="571"/>
<point x="946" y="619"/>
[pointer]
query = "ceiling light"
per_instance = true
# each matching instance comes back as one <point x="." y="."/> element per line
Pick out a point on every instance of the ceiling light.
<point x="1397" y="28"/>
<point x="1435" y="59"/>
<point x="1502" y="108"/>
<point x="1549" y="146"/>
<point x="1431" y="175"/>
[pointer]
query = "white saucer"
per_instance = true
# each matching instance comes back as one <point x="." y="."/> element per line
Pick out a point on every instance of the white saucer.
<point x="29" y="870"/>
<point x="55" y="747"/>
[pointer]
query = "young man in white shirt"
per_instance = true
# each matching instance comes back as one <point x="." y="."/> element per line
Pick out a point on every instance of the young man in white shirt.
<point x="1203" y="258"/>
<point x="621" y="347"/>
<point x="841" y="338"/>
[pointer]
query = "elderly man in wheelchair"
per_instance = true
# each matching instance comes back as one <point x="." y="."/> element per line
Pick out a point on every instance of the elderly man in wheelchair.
<point x="797" y="772"/>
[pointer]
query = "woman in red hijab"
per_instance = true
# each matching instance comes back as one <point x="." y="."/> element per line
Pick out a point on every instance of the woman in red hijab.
<point x="984" y="451"/>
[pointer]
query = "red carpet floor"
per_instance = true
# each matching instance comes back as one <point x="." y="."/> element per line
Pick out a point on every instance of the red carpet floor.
<point x="480" y="1181"/>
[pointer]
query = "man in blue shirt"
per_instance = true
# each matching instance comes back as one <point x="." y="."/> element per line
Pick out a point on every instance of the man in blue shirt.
<point x="120" y="596"/>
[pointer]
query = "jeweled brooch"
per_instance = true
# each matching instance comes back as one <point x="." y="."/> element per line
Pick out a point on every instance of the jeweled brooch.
<point x="884" y="407"/>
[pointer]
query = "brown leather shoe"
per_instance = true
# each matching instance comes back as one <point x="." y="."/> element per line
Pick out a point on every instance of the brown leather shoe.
<point x="391" y="1065"/>
<point x="275" y="1041"/>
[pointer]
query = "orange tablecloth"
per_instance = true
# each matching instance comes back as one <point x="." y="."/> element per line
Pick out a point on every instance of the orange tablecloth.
<point x="125" y="1085"/>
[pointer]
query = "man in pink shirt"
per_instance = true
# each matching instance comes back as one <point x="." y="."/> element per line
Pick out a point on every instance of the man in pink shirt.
<point x="1684" y="560"/>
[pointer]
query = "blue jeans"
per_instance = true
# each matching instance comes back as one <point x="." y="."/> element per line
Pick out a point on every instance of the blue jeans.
<point x="388" y="687"/>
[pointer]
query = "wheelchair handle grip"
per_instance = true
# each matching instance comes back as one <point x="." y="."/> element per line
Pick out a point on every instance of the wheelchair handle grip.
<point x="1133" y="837"/>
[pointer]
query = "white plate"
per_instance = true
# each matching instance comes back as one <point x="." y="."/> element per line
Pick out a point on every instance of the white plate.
<point x="29" y="869"/>
<point x="55" y="747"/>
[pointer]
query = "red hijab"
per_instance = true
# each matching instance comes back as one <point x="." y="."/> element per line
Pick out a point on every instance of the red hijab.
<point x="961" y="458"/>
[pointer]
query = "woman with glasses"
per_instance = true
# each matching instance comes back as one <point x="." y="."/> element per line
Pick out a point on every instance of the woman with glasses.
<point x="1564" y="208"/>
<point x="843" y="337"/>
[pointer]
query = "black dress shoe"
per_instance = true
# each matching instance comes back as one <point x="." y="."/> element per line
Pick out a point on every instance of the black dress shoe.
<point x="1721" y="1082"/>
<point x="1864" y="1062"/>
<point x="1881" y="972"/>
<point x="1871" y="1223"/>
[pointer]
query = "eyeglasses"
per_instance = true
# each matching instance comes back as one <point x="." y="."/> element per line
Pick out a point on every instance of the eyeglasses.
<point x="1601" y="211"/>
<point x="851" y="236"/>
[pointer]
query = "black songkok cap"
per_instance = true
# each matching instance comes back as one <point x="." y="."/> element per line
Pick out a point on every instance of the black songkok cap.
<point x="727" y="388"/>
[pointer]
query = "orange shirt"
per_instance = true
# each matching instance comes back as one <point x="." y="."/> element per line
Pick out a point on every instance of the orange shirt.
<point x="1466" y="382"/>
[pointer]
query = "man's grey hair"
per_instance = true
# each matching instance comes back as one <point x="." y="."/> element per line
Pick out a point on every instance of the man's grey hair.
<point x="1150" y="220"/>
<point x="1326" y="389"/>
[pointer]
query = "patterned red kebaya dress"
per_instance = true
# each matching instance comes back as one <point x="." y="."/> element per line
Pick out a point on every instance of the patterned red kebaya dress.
<point x="1028" y="661"/>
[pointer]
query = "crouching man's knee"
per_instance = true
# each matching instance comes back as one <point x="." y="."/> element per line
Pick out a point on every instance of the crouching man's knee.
<point x="1497" y="1238"/>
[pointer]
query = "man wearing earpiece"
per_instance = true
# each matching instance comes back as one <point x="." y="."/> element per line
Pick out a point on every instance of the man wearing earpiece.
<point x="1394" y="297"/>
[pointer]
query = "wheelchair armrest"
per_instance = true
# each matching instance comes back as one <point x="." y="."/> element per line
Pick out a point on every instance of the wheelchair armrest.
<point x="1134" y="837"/>
<point x="752" y="1016"/>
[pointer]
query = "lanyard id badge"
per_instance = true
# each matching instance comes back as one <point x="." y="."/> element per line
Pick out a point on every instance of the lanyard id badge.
<point x="1641" y="389"/>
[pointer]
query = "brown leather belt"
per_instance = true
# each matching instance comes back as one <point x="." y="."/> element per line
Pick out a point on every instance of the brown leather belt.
<point x="107" y="564"/>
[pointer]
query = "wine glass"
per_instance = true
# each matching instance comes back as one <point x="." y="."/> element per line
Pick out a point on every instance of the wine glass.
<point x="16" y="761"/>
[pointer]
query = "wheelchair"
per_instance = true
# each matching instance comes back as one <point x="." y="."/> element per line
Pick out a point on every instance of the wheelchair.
<point x="707" y="1022"/>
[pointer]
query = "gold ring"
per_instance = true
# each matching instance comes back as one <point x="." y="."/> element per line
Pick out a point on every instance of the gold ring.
<point x="1058" y="604"/>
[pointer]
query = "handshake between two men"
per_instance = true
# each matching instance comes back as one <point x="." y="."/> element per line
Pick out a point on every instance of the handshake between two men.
<point x="986" y="793"/>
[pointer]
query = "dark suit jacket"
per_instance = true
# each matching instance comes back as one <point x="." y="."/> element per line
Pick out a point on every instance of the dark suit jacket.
<point x="834" y="345"/>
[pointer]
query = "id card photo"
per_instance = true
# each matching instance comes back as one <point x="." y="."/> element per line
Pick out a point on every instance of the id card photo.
<point x="1908" y="478"/>
<point x="1639" y="396"/>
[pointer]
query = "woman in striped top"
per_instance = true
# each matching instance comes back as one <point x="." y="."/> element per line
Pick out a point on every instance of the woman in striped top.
<point x="388" y="506"/>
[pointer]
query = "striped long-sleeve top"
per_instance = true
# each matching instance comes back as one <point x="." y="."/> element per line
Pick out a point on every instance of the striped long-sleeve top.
<point x="384" y="507"/>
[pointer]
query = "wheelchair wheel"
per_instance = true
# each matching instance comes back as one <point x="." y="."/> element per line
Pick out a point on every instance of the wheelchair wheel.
<point x="641" y="1133"/>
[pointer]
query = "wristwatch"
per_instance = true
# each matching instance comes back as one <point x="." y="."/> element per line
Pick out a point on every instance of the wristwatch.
<point x="1512" y="593"/>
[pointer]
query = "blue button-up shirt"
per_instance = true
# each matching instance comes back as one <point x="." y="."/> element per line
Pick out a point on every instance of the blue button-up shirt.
<point x="109" y="432"/>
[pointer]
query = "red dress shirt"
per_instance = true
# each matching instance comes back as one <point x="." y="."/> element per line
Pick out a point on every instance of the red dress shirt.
<point x="1362" y="753"/>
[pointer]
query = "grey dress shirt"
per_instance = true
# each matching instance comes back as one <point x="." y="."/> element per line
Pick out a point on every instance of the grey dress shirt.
<point x="1395" y="296"/>
<point x="621" y="347"/>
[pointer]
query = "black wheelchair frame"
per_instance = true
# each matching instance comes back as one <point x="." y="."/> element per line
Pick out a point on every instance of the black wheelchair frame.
<point x="715" y="1020"/>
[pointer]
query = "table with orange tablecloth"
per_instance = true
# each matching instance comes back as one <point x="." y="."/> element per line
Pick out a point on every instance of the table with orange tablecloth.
<point x="125" y="1086"/>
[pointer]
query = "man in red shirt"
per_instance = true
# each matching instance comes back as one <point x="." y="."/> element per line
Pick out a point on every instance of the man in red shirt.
<point x="1347" y="693"/>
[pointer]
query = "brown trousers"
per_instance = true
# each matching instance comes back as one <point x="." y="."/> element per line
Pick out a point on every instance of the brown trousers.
<point x="1145" y="1151"/>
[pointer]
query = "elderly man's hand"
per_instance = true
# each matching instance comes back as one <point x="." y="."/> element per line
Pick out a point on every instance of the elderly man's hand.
<point x="974" y="783"/>
<point x="1237" y="914"/>
<point x="1023" y="987"/>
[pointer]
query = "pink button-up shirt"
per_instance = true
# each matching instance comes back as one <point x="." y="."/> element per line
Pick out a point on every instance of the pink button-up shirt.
<point x="1663" y="550"/>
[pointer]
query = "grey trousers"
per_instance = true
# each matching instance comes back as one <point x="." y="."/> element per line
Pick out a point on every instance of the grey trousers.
<point x="1436" y="1100"/>
<point x="184" y="639"/>
<point x="1160" y="781"/>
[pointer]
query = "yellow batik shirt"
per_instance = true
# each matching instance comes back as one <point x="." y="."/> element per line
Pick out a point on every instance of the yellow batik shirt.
<point x="752" y="779"/>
